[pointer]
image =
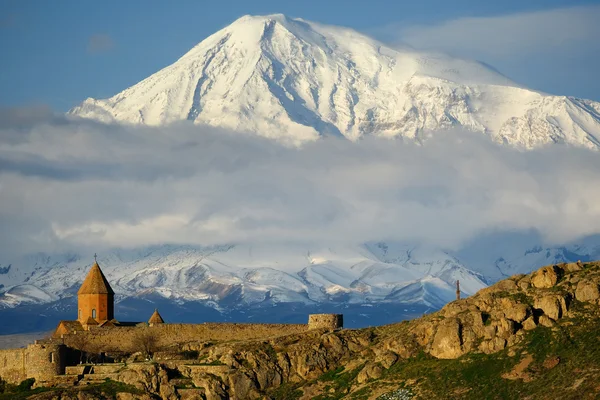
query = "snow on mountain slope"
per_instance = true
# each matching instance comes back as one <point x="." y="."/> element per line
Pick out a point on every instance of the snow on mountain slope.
<point x="295" y="80"/>
<point x="24" y="294"/>
<point x="237" y="276"/>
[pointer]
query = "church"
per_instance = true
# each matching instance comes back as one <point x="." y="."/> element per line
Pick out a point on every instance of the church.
<point x="96" y="306"/>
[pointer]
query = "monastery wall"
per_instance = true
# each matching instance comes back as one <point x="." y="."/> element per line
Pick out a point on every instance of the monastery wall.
<point x="39" y="361"/>
<point x="12" y="365"/>
<point x="121" y="339"/>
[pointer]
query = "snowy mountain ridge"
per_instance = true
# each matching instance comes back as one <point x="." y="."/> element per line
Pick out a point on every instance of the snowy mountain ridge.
<point x="240" y="276"/>
<point x="293" y="81"/>
<point x="244" y="276"/>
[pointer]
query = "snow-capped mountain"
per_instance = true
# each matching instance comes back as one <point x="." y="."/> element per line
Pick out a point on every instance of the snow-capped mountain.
<point x="295" y="80"/>
<point x="373" y="283"/>
<point x="239" y="276"/>
<point x="245" y="275"/>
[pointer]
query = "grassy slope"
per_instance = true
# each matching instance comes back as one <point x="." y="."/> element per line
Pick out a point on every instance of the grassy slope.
<point x="575" y="342"/>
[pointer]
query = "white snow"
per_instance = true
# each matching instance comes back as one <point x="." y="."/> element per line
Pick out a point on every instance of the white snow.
<point x="294" y="80"/>
<point x="253" y="274"/>
<point x="216" y="274"/>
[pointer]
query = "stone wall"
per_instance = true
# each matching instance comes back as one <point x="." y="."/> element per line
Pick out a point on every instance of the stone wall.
<point x="325" y="321"/>
<point x="39" y="361"/>
<point x="121" y="339"/>
<point x="44" y="361"/>
<point x="12" y="365"/>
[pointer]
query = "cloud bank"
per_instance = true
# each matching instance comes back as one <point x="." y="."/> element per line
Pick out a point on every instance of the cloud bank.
<point x="553" y="50"/>
<point x="498" y="36"/>
<point x="67" y="184"/>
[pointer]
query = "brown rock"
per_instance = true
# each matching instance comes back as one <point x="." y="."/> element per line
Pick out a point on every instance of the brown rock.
<point x="370" y="371"/>
<point x="454" y="308"/>
<point x="572" y="267"/>
<point x="514" y="310"/>
<point x="551" y="362"/>
<point x="447" y="341"/>
<point x="554" y="306"/>
<point x="587" y="291"/>
<point x="524" y="284"/>
<point x="505" y="328"/>
<point x="493" y="345"/>
<point x="545" y="277"/>
<point x="241" y="386"/>
<point x="529" y="324"/>
<point x="545" y="321"/>
<point x="131" y="396"/>
<point x="520" y="370"/>
<point x="387" y="359"/>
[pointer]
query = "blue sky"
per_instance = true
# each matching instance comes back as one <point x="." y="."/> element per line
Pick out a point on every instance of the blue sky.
<point x="57" y="53"/>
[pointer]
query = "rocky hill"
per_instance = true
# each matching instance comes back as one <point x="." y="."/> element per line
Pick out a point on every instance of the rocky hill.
<point x="530" y="336"/>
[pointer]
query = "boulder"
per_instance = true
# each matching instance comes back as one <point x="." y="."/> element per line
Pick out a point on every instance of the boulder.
<point x="587" y="291"/>
<point x="514" y="310"/>
<point x="447" y="342"/>
<point x="524" y="284"/>
<point x="529" y="324"/>
<point x="545" y="321"/>
<point x="554" y="306"/>
<point x="545" y="277"/>
<point x="573" y="267"/>
<point x="505" y="328"/>
<point x="387" y="359"/>
<point x="370" y="371"/>
<point x="493" y="345"/>
<point x="551" y="362"/>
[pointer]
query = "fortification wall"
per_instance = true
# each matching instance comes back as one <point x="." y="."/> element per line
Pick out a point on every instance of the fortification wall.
<point x="325" y="321"/>
<point x="12" y="365"/>
<point x="39" y="361"/>
<point x="44" y="361"/>
<point x="122" y="338"/>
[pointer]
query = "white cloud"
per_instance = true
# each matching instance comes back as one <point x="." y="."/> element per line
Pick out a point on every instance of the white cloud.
<point x="515" y="34"/>
<point x="555" y="51"/>
<point x="67" y="184"/>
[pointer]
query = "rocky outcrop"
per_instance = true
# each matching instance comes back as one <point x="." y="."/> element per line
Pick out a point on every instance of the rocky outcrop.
<point x="545" y="277"/>
<point x="587" y="291"/>
<point x="497" y="317"/>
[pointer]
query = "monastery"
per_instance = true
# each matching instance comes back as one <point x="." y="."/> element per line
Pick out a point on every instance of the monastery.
<point x="96" y="306"/>
<point x="55" y="360"/>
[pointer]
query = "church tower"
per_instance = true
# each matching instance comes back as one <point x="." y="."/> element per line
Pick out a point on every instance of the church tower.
<point x="95" y="298"/>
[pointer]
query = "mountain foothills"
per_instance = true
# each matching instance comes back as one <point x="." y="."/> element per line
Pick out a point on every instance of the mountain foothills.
<point x="530" y="336"/>
<point x="294" y="81"/>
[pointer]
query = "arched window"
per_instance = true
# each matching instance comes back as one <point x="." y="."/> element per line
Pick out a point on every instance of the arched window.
<point x="80" y="313"/>
<point x="51" y="357"/>
<point x="94" y="313"/>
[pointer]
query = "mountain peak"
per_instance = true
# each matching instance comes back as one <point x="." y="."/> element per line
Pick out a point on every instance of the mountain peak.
<point x="294" y="81"/>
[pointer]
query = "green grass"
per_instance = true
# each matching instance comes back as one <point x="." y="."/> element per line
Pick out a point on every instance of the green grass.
<point x="479" y="376"/>
<point x="287" y="391"/>
<point x="339" y="381"/>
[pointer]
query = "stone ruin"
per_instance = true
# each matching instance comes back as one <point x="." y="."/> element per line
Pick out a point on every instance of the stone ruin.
<point x="326" y="321"/>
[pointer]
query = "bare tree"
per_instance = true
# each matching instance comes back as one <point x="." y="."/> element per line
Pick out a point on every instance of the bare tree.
<point x="145" y="341"/>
